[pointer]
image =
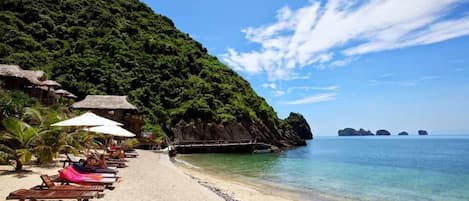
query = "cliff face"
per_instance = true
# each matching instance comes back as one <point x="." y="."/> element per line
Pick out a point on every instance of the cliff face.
<point x="299" y="125"/>
<point x="122" y="47"/>
<point x="236" y="130"/>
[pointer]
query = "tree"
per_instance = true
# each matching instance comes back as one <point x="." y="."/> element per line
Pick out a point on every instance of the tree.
<point x="17" y="141"/>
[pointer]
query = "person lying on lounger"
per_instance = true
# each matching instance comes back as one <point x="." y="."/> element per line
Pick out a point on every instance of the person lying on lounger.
<point x="92" y="162"/>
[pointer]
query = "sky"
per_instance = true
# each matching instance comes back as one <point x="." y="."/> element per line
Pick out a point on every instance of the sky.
<point x="395" y="65"/>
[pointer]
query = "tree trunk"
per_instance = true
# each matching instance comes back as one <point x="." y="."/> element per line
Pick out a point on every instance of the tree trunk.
<point x="19" y="165"/>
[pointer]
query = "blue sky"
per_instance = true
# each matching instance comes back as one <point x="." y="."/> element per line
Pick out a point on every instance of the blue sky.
<point x="364" y="64"/>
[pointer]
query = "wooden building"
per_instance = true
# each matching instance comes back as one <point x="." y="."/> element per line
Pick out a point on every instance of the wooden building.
<point x="116" y="108"/>
<point x="33" y="82"/>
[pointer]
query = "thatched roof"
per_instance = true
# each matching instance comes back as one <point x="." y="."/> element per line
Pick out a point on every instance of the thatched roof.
<point x="104" y="102"/>
<point x="65" y="93"/>
<point x="33" y="76"/>
<point x="11" y="71"/>
<point x="38" y="75"/>
<point x="61" y="91"/>
<point x="71" y="96"/>
<point x="50" y="83"/>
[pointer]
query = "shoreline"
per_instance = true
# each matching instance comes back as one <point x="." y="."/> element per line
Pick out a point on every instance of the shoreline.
<point x="156" y="176"/>
<point x="246" y="188"/>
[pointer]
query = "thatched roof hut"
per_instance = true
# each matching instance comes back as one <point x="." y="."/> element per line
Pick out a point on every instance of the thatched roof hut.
<point x="34" y="77"/>
<point x="104" y="102"/>
<point x="116" y="108"/>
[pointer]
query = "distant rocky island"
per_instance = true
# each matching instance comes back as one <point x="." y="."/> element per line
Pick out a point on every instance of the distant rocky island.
<point x="381" y="132"/>
<point x="353" y="132"/>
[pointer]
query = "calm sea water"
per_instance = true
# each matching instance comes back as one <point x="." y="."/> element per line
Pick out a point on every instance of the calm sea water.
<point x="359" y="168"/>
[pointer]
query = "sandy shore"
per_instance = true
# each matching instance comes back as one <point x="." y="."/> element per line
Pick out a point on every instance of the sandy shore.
<point x="153" y="176"/>
<point x="237" y="189"/>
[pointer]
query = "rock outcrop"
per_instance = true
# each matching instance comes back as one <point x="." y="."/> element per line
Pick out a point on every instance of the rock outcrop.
<point x="235" y="131"/>
<point x="299" y="125"/>
<point x="382" y="132"/>
<point x="423" y="132"/>
<point x="353" y="132"/>
<point x="403" y="133"/>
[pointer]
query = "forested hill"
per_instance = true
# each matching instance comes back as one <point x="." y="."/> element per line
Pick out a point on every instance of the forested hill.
<point x="122" y="47"/>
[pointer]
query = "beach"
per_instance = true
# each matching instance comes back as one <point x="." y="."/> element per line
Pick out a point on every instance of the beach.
<point x="151" y="176"/>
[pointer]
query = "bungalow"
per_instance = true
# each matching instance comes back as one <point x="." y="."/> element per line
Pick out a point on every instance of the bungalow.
<point x="33" y="82"/>
<point x="116" y="108"/>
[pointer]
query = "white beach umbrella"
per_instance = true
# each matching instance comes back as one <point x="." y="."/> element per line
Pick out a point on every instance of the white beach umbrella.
<point x="88" y="119"/>
<point x="112" y="130"/>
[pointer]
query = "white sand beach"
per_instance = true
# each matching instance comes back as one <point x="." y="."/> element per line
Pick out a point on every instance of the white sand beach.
<point x="152" y="176"/>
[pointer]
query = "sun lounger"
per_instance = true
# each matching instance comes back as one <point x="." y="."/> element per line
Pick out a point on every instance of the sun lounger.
<point x="92" y="174"/>
<point x="71" y="159"/>
<point x="81" y="169"/>
<point x="68" y="175"/>
<point x="131" y="154"/>
<point x="24" y="194"/>
<point x="48" y="184"/>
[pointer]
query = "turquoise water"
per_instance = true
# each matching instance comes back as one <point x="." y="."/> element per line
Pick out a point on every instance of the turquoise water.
<point x="359" y="168"/>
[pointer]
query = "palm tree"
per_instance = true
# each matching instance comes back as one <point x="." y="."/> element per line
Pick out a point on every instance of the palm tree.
<point x="17" y="141"/>
<point x="51" y="141"/>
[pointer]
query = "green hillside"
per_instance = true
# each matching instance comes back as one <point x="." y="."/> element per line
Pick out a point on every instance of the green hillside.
<point x="122" y="47"/>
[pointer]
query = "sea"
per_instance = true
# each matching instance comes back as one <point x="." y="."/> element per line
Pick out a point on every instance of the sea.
<point x="381" y="168"/>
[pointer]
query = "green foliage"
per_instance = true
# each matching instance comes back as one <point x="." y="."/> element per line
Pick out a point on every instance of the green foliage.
<point x="123" y="48"/>
<point x="17" y="141"/>
<point x="13" y="103"/>
<point x="130" y="143"/>
<point x="31" y="135"/>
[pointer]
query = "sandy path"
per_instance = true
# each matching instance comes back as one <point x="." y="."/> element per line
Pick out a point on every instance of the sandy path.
<point x="152" y="176"/>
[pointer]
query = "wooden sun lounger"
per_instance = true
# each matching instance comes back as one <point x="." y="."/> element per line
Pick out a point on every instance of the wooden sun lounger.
<point x="24" y="194"/>
<point x="72" y="159"/>
<point x="131" y="154"/>
<point x="48" y="183"/>
<point x="107" y="182"/>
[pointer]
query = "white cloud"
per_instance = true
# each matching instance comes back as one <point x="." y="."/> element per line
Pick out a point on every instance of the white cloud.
<point x="269" y="85"/>
<point x="403" y="83"/>
<point x="313" y="99"/>
<point x="277" y="93"/>
<point x="336" y="32"/>
<point x="343" y="62"/>
<point x="309" y="88"/>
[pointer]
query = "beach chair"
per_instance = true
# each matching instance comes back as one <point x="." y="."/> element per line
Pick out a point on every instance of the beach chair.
<point x="71" y="159"/>
<point x="25" y="194"/>
<point x="92" y="174"/>
<point x="80" y="168"/>
<point x="67" y="176"/>
<point x="133" y="154"/>
<point x="49" y="184"/>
